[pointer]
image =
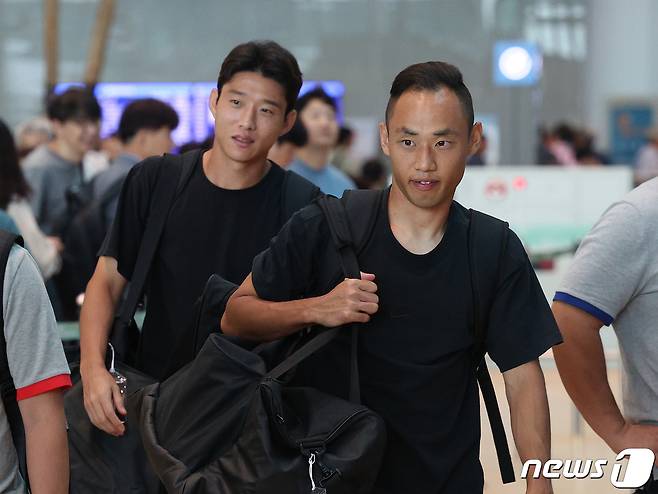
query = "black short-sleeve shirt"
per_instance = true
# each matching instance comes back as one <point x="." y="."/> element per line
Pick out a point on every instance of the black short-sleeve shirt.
<point x="415" y="355"/>
<point x="209" y="230"/>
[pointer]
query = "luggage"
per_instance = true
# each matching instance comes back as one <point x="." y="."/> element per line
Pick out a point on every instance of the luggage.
<point x="229" y="422"/>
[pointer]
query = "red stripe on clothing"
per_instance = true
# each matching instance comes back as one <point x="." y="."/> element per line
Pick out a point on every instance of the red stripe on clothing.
<point x="41" y="387"/>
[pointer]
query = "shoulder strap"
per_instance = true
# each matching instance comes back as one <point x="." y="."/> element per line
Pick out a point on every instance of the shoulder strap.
<point x="7" y="388"/>
<point x="484" y="267"/>
<point x="341" y="236"/>
<point x="173" y="175"/>
<point x="296" y="193"/>
<point x="362" y="207"/>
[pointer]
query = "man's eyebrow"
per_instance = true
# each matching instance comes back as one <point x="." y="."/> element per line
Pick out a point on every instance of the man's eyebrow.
<point x="272" y="102"/>
<point x="267" y="101"/>
<point x="445" y="132"/>
<point x="407" y="131"/>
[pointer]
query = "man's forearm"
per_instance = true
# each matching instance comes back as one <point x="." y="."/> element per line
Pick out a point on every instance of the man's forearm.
<point x="531" y="426"/>
<point x="250" y="317"/>
<point x="581" y="363"/>
<point x="47" y="445"/>
<point x="96" y="318"/>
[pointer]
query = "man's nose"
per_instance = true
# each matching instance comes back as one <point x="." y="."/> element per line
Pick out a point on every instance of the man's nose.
<point x="425" y="159"/>
<point x="248" y="119"/>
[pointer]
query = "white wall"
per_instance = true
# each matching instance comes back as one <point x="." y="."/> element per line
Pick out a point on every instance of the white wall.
<point x="622" y="63"/>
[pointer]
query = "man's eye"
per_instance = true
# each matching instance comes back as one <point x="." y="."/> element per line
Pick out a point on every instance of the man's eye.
<point x="267" y="110"/>
<point x="235" y="102"/>
<point x="407" y="142"/>
<point x="442" y="144"/>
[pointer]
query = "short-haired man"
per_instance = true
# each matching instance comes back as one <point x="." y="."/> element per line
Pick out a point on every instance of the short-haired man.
<point x="144" y="130"/>
<point x="614" y="280"/>
<point x="414" y="300"/>
<point x="318" y="112"/>
<point x="53" y="169"/>
<point x="227" y="212"/>
<point x="285" y="148"/>
<point x="39" y="372"/>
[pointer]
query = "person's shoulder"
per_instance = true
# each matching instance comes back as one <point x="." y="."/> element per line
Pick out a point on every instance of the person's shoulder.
<point x="299" y="168"/>
<point x="20" y="265"/>
<point x="514" y="250"/>
<point x="296" y="179"/>
<point x="146" y="172"/>
<point x="37" y="158"/>
<point x="644" y="198"/>
<point x="339" y="175"/>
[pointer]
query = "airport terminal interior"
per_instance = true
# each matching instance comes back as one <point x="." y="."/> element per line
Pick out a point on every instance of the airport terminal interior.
<point x="566" y="92"/>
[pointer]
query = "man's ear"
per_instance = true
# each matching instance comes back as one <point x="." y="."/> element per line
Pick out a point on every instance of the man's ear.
<point x="290" y="119"/>
<point x="383" y="138"/>
<point x="213" y="101"/>
<point x="476" y="138"/>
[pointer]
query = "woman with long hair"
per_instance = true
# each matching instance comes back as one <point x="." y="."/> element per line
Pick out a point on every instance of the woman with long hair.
<point x="14" y="193"/>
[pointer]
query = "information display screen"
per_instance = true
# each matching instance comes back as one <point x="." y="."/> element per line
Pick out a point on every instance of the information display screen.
<point x="189" y="99"/>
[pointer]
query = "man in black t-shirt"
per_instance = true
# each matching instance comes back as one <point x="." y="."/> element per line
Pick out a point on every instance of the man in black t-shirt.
<point x="414" y="300"/>
<point x="225" y="214"/>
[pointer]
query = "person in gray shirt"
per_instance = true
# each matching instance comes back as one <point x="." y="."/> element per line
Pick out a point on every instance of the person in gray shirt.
<point x="614" y="280"/>
<point x="55" y="168"/>
<point x="144" y="130"/>
<point x="40" y="374"/>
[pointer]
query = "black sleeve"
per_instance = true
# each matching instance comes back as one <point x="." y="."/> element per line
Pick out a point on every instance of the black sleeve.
<point x="290" y="268"/>
<point x="521" y="324"/>
<point x="124" y="238"/>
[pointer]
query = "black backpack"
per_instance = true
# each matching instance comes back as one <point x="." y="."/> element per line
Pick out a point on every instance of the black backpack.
<point x="7" y="388"/>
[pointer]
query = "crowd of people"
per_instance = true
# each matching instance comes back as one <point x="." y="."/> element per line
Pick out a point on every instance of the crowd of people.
<point x="57" y="167"/>
<point x="569" y="145"/>
<point x="246" y="207"/>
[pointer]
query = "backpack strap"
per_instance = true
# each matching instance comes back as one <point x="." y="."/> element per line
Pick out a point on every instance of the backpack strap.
<point x="340" y="228"/>
<point x="7" y="388"/>
<point x="174" y="174"/>
<point x="362" y="207"/>
<point x="484" y="267"/>
<point x="341" y="235"/>
<point x="296" y="193"/>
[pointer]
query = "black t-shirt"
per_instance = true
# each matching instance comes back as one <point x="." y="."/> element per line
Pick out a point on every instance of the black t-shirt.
<point x="209" y="230"/>
<point x="415" y="354"/>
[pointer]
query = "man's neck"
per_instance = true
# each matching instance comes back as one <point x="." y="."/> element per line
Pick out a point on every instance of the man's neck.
<point x="64" y="151"/>
<point x="133" y="150"/>
<point x="233" y="175"/>
<point x="419" y="230"/>
<point x="315" y="157"/>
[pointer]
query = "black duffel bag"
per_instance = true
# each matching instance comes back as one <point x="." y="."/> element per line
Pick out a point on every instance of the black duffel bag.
<point x="225" y="424"/>
<point x="229" y="422"/>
